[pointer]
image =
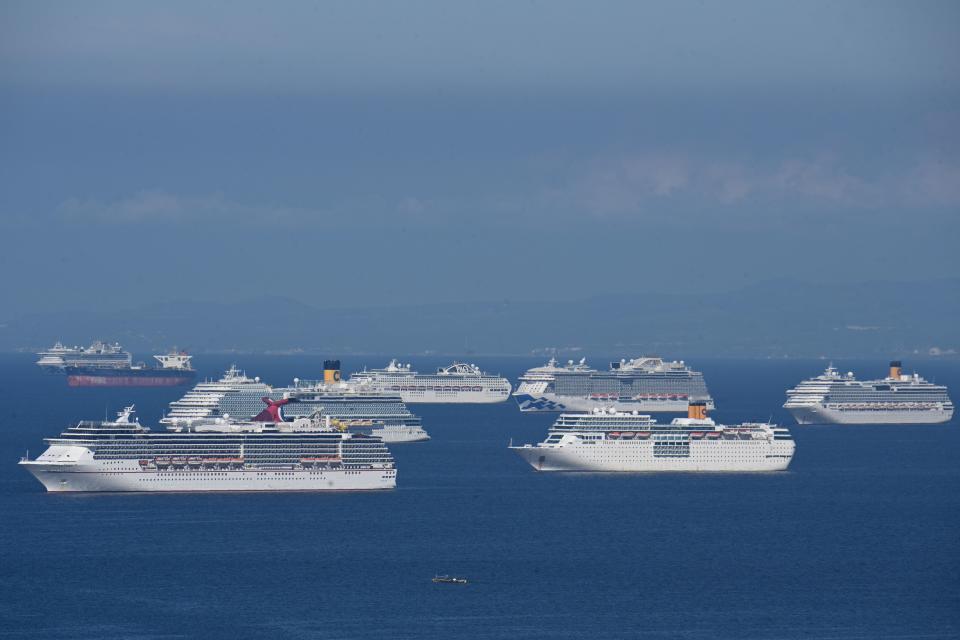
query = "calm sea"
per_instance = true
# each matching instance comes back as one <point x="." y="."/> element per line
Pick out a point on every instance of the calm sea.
<point x="860" y="539"/>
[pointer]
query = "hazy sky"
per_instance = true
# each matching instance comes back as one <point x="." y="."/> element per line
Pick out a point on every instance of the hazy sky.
<point x="353" y="153"/>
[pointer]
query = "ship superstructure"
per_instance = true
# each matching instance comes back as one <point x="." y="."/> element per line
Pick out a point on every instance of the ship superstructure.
<point x="835" y="398"/>
<point x="456" y="383"/>
<point x="611" y="440"/>
<point x="216" y="455"/>
<point x="109" y="365"/>
<point x="239" y="397"/>
<point x="647" y="384"/>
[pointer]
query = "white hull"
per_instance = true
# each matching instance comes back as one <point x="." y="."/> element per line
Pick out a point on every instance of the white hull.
<point x="551" y="402"/>
<point x="637" y="456"/>
<point x="818" y="414"/>
<point x="127" y="477"/>
<point x="399" y="435"/>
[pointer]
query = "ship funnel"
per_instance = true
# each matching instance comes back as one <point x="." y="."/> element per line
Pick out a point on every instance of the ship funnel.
<point x="331" y="371"/>
<point x="697" y="410"/>
<point x="895" y="369"/>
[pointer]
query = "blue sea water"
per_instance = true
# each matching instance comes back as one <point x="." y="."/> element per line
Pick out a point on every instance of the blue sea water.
<point x="860" y="539"/>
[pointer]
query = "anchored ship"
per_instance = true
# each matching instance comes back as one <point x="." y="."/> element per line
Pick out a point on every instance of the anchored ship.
<point x="834" y="398"/>
<point x="640" y="384"/>
<point x="108" y="365"/>
<point x="240" y="397"/>
<point x="456" y="383"/>
<point x="611" y="440"/>
<point x="217" y="455"/>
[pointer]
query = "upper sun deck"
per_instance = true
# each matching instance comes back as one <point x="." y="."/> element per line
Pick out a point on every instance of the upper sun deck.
<point x="549" y="370"/>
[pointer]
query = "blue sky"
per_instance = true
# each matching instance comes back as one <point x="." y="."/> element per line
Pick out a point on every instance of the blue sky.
<point x="357" y="153"/>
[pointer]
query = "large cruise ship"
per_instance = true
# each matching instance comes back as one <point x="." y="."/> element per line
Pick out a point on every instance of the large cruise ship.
<point x="456" y="383"/>
<point x="363" y="410"/>
<point x="834" y="398"/>
<point x="610" y="440"/>
<point x="123" y="455"/>
<point x="97" y="355"/>
<point x="641" y="384"/>
<point x="108" y="365"/>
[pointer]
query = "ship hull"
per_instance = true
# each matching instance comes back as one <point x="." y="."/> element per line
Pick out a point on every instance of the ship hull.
<point x="823" y="415"/>
<point x="400" y="435"/>
<point x="550" y="402"/>
<point x="129" y="478"/>
<point x="638" y="457"/>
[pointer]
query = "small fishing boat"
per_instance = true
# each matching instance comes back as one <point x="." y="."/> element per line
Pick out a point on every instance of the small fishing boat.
<point x="449" y="580"/>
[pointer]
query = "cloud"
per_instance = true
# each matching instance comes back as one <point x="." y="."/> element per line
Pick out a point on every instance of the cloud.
<point x="933" y="182"/>
<point x="652" y="186"/>
<point x="161" y="206"/>
<point x="653" y="182"/>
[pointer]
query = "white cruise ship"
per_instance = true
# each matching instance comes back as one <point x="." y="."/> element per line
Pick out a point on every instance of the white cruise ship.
<point x="237" y="396"/>
<point x="641" y="384"/>
<point x="99" y="355"/>
<point x="833" y="398"/>
<point x="457" y="383"/>
<point x="122" y="455"/>
<point x="610" y="440"/>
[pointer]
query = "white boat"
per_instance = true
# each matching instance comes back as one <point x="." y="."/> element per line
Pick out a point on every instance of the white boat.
<point x="647" y="384"/>
<point x="610" y="440"/>
<point x="833" y="398"/>
<point x="237" y="396"/>
<point x="123" y="456"/>
<point x="458" y="383"/>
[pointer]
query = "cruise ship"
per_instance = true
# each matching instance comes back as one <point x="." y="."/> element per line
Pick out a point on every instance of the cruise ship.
<point x="835" y="398"/>
<point x="641" y="384"/>
<point x="611" y="440"/>
<point x="97" y="355"/>
<point x="456" y="383"/>
<point x="123" y="455"/>
<point x="108" y="365"/>
<point x="237" y="396"/>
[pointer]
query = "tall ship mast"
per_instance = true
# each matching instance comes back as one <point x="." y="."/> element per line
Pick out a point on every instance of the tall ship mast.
<point x="123" y="455"/>
<point x="646" y="383"/>
<point x="611" y="440"/>
<point x="363" y="410"/>
<point x="109" y="365"/>
<point x="835" y="398"/>
<point x="458" y="383"/>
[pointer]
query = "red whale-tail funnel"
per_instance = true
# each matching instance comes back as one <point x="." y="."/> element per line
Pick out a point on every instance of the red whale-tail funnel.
<point x="272" y="412"/>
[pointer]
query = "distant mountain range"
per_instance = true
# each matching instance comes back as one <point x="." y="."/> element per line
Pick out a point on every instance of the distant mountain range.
<point x="772" y="319"/>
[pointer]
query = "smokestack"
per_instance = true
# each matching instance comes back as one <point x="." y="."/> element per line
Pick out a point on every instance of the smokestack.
<point x="895" y="369"/>
<point x="697" y="410"/>
<point x="331" y="371"/>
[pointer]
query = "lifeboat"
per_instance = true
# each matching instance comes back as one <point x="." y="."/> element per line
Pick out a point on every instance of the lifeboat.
<point x="696" y="434"/>
<point x="643" y="434"/>
<point x="144" y="463"/>
<point x="613" y="435"/>
<point x="627" y="434"/>
<point x="713" y="435"/>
